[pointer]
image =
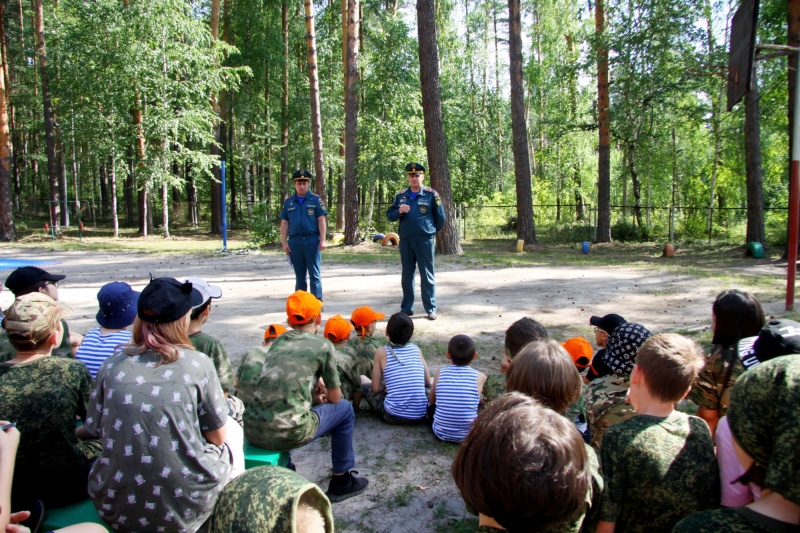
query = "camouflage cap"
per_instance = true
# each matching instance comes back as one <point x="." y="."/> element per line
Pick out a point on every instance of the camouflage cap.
<point x="764" y="418"/>
<point x="34" y="316"/>
<point x="337" y="329"/>
<point x="302" y="308"/>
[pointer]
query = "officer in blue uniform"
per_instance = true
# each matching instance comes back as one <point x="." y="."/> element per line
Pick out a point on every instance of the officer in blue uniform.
<point x="421" y="214"/>
<point x="303" y="228"/>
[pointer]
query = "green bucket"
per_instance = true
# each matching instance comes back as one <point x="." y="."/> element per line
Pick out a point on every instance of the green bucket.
<point x="755" y="249"/>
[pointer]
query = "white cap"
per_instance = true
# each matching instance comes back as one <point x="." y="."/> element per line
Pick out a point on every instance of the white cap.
<point x="206" y="289"/>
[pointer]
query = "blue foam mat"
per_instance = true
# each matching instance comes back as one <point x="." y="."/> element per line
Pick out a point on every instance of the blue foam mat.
<point x="11" y="264"/>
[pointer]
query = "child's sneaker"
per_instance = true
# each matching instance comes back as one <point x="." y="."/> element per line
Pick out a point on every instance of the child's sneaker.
<point x="346" y="486"/>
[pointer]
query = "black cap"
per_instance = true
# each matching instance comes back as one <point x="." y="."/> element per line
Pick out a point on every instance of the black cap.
<point x="607" y="323"/>
<point x="22" y="278"/>
<point x="302" y="175"/>
<point x="414" y="167"/>
<point x="166" y="300"/>
<point x="779" y="337"/>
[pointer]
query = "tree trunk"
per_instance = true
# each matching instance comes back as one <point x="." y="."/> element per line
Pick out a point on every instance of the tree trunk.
<point x="144" y="227"/>
<point x="50" y="135"/>
<point x="165" y="209"/>
<point x="7" y="230"/>
<point x="526" y="229"/>
<point x="637" y="186"/>
<point x="129" y="187"/>
<point x="351" y="125"/>
<point x="285" y="103"/>
<point x="215" y="185"/>
<point x="112" y="181"/>
<point x="313" y="82"/>
<point x="604" y="130"/>
<point x="339" y="202"/>
<point x="752" y="153"/>
<point x="447" y="241"/>
<point x="104" y="204"/>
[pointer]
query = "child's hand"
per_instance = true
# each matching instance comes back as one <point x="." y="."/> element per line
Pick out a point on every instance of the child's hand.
<point x="15" y="519"/>
<point x="9" y="440"/>
<point x="320" y="393"/>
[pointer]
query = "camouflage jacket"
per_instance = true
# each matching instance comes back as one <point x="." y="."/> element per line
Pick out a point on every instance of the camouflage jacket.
<point x="351" y="368"/>
<point x="249" y="373"/>
<point x="364" y="349"/>
<point x="605" y="405"/>
<point x="712" y="387"/>
<point x="494" y="386"/>
<point x="216" y="351"/>
<point x="658" y="470"/>
<point x="64" y="349"/>
<point x="279" y="415"/>
<point x="735" y="520"/>
<point x="270" y="494"/>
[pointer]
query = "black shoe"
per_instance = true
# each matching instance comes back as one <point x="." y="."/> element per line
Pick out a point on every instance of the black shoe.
<point x="409" y="313"/>
<point x="34" y="521"/>
<point x="432" y="315"/>
<point x="346" y="486"/>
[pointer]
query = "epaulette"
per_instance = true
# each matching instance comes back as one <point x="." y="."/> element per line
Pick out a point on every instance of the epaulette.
<point x="401" y="191"/>
<point x="434" y="191"/>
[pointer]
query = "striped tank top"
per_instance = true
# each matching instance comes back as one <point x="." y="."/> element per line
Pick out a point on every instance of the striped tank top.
<point x="405" y="383"/>
<point x="457" y="401"/>
<point x="97" y="347"/>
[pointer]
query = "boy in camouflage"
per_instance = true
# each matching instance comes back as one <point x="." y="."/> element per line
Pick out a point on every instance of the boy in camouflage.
<point x="351" y="368"/>
<point x="518" y="335"/>
<point x="764" y="417"/>
<point x="518" y="460"/>
<point x="281" y="415"/>
<point x="659" y="466"/>
<point x="364" y="343"/>
<point x="252" y="364"/>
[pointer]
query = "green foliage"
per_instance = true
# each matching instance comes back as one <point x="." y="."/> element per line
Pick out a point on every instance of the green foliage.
<point x="264" y="231"/>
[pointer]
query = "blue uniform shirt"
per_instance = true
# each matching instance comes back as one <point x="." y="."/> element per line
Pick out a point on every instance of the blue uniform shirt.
<point x="426" y="217"/>
<point x="302" y="215"/>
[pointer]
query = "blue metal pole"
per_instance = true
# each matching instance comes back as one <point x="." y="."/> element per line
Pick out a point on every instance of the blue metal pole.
<point x="224" y="210"/>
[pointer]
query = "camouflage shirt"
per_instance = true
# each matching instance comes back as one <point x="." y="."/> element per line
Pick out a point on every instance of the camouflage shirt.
<point x="494" y="386"/>
<point x="44" y="397"/>
<point x="605" y="405"/>
<point x="658" y="470"/>
<point x="364" y="349"/>
<point x="213" y="348"/>
<point x="712" y="387"/>
<point x="249" y="373"/>
<point x="735" y="520"/>
<point x="351" y="368"/>
<point x="64" y="349"/>
<point x="270" y="494"/>
<point x="279" y="415"/>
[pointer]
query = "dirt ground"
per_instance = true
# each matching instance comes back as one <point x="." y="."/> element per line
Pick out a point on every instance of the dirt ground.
<point x="409" y="471"/>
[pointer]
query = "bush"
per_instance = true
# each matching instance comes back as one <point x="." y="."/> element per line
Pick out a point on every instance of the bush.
<point x="623" y="231"/>
<point x="264" y="231"/>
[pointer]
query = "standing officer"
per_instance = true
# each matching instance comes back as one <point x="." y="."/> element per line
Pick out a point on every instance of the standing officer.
<point x="421" y="214"/>
<point x="304" y="224"/>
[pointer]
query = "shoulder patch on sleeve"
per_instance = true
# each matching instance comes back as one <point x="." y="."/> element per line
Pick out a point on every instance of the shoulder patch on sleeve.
<point x="401" y="191"/>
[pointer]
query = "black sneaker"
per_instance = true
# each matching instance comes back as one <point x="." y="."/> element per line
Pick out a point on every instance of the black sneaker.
<point x="346" y="486"/>
<point x="409" y="313"/>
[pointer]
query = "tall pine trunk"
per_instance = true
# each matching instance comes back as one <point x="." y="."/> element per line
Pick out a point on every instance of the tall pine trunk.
<point x="752" y="155"/>
<point x="604" y="130"/>
<point x="50" y="135"/>
<point x="313" y="82"/>
<point x="112" y="182"/>
<point x="7" y="230"/>
<point x="285" y="102"/>
<point x="351" y="125"/>
<point x="215" y="185"/>
<point x="526" y="229"/>
<point x="447" y="241"/>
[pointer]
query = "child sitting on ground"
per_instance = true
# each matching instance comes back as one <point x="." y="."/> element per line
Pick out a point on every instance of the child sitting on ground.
<point x="456" y="392"/>
<point x="659" y="466"/>
<point x="522" y="467"/>
<point x="544" y="371"/>
<point x="399" y="376"/>
<point x="518" y="335"/>
<point x="581" y="352"/>
<point x="351" y="368"/>
<point x="117" y="302"/>
<point x="252" y="364"/>
<point x="364" y="343"/>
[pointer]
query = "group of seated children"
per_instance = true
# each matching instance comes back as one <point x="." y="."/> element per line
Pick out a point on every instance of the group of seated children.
<point x="557" y="441"/>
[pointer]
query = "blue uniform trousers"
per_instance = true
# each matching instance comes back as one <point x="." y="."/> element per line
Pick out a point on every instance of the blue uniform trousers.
<point x="415" y="252"/>
<point x="306" y="257"/>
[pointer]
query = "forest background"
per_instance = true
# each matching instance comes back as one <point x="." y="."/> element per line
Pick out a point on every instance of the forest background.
<point x="118" y="113"/>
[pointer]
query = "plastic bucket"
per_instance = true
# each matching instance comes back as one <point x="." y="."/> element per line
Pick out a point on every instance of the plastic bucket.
<point x="585" y="247"/>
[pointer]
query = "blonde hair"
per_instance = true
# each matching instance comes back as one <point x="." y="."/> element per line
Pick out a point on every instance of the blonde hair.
<point x="669" y="362"/>
<point x="164" y="339"/>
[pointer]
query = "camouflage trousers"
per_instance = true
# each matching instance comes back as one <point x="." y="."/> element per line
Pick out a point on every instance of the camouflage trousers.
<point x="375" y="401"/>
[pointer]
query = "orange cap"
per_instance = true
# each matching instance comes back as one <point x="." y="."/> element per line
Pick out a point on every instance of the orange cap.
<point x="302" y="308"/>
<point x="337" y="329"/>
<point x="274" y="331"/>
<point x="364" y="316"/>
<point x="580" y="350"/>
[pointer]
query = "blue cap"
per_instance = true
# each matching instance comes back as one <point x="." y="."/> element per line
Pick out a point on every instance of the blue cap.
<point x="117" y="302"/>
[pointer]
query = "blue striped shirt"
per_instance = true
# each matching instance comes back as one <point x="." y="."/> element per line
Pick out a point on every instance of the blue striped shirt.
<point x="457" y="402"/>
<point x="405" y="383"/>
<point x="96" y="348"/>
